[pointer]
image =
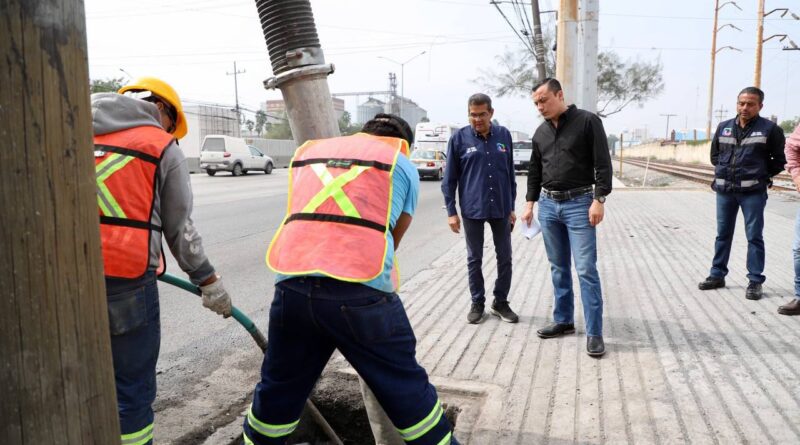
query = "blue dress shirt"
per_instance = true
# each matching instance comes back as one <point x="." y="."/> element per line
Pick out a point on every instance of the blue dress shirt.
<point x="482" y="169"/>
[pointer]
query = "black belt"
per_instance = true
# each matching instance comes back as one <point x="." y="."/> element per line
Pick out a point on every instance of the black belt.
<point x="559" y="195"/>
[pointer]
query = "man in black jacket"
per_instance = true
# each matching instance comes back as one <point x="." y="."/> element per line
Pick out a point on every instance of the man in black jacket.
<point x="571" y="172"/>
<point x="747" y="151"/>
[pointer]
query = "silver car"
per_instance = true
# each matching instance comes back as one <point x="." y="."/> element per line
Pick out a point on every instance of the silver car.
<point x="226" y="153"/>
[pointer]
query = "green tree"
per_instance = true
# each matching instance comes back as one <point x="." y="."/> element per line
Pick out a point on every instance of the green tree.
<point x="789" y="125"/>
<point x="249" y="124"/>
<point x="280" y="129"/>
<point x="619" y="83"/>
<point x="110" y="85"/>
<point x="261" y="121"/>
<point x="346" y="126"/>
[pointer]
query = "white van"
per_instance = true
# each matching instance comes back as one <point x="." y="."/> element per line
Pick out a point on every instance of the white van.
<point x="230" y="154"/>
<point x="522" y="155"/>
<point x="433" y="136"/>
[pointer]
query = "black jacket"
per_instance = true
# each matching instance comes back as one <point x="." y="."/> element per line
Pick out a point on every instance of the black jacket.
<point x="746" y="158"/>
<point x="571" y="156"/>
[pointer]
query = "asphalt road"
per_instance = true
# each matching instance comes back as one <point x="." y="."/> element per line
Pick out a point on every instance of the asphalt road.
<point x="207" y="363"/>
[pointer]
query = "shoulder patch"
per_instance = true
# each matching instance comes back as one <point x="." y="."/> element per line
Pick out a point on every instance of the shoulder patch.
<point x="727" y="131"/>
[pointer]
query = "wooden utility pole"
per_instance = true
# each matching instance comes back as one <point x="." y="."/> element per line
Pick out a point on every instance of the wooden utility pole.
<point x="713" y="65"/>
<point x="56" y="376"/>
<point x="538" y="43"/>
<point x="235" y="75"/>
<point x="759" y="43"/>
<point x="567" y="62"/>
<point x="621" y="142"/>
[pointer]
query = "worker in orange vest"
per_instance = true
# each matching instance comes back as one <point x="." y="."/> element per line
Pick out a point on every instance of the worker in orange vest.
<point x="351" y="199"/>
<point x="143" y="195"/>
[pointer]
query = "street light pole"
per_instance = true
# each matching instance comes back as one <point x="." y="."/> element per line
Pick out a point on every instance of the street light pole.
<point x="402" y="77"/>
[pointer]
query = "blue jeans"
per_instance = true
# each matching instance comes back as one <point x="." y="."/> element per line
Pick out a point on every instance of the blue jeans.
<point x="566" y="231"/>
<point x="752" y="204"/>
<point x="796" y="252"/>
<point x="501" y="234"/>
<point x="310" y="318"/>
<point x="133" y="316"/>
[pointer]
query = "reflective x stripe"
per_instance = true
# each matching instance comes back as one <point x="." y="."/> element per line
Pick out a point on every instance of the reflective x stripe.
<point x="268" y="430"/>
<point x="446" y="439"/>
<point x="333" y="189"/>
<point x="108" y="205"/>
<point x="727" y="140"/>
<point x="140" y="437"/>
<point x="425" y="425"/>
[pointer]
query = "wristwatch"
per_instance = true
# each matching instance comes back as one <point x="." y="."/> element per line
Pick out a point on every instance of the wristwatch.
<point x="600" y="199"/>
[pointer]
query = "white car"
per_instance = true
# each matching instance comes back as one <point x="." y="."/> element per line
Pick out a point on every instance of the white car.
<point x="230" y="154"/>
<point x="429" y="163"/>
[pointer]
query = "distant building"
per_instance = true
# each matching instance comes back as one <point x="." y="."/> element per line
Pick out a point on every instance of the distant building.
<point x="411" y="112"/>
<point x="519" y="136"/>
<point x="369" y="109"/>
<point x="201" y="121"/>
<point x="692" y="134"/>
<point x="275" y="109"/>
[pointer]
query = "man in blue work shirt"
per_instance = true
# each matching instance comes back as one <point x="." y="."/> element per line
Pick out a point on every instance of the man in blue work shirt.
<point x="480" y="165"/>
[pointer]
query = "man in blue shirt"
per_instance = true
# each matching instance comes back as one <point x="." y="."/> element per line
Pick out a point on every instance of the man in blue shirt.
<point x="480" y="165"/>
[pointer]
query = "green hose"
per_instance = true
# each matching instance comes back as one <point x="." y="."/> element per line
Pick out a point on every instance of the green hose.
<point x="243" y="319"/>
<point x="258" y="336"/>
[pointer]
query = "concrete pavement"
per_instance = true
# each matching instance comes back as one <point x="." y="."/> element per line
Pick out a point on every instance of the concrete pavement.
<point x="682" y="365"/>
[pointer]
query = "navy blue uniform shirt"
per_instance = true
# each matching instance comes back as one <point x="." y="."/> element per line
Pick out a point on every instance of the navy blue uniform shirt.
<point x="482" y="169"/>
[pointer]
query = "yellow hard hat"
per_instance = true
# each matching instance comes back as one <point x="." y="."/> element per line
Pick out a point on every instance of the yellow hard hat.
<point x="164" y="91"/>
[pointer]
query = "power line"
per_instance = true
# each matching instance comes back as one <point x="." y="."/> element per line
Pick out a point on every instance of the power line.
<point x="524" y="41"/>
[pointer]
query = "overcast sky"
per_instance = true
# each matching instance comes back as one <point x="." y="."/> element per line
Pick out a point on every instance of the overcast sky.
<point x="193" y="45"/>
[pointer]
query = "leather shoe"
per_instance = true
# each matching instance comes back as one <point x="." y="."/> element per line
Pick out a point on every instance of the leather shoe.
<point x="595" y="346"/>
<point x="711" y="283"/>
<point x="753" y="291"/>
<point x="790" y="308"/>
<point x="556" y="330"/>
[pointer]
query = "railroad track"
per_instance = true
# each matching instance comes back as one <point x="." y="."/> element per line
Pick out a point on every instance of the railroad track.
<point x="702" y="173"/>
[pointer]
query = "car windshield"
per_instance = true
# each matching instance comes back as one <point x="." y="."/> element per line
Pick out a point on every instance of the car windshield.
<point x="423" y="154"/>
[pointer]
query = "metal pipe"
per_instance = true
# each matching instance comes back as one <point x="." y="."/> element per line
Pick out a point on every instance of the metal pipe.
<point x="299" y="66"/>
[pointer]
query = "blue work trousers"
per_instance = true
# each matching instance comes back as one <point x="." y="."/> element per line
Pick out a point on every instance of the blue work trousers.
<point x="310" y="318"/>
<point x="133" y="316"/>
<point x="752" y="205"/>
<point x="501" y="235"/>
<point x="567" y="232"/>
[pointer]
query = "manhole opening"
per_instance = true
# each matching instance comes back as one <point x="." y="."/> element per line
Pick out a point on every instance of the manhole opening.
<point x="338" y="398"/>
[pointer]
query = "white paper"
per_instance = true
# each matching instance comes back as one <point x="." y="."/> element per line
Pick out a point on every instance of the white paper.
<point x="530" y="231"/>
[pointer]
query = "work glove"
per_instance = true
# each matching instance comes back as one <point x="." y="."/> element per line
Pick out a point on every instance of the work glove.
<point x="216" y="298"/>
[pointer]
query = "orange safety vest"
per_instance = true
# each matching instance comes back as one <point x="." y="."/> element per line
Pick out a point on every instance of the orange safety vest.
<point x="339" y="209"/>
<point x="126" y="164"/>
